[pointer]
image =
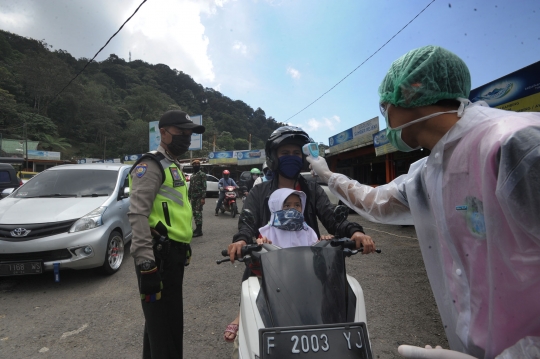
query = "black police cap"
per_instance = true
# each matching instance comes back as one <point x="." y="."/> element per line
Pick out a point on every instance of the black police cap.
<point x="179" y="119"/>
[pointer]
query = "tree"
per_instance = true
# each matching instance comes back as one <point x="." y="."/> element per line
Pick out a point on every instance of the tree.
<point x="49" y="142"/>
<point x="241" y="144"/>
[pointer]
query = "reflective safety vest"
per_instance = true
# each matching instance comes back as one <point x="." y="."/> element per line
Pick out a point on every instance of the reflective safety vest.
<point x="171" y="210"/>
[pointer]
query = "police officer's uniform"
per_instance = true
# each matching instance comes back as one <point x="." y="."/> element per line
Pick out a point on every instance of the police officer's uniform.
<point x="159" y="203"/>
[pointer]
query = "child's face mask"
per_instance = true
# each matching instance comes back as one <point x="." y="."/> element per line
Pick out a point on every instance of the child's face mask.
<point x="289" y="220"/>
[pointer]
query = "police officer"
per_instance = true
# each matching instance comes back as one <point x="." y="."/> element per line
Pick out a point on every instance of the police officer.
<point x="197" y="195"/>
<point x="160" y="217"/>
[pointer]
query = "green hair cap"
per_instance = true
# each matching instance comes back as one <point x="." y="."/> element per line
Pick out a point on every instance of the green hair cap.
<point x="425" y="76"/>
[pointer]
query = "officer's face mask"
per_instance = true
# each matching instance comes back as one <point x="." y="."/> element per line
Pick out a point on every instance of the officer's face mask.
<point x="179" y="144"/>
<point x="394" y="134"/>
<point x="196" y="169"/>
<point x="290" y="166"/>
<point x="289" y="220"/>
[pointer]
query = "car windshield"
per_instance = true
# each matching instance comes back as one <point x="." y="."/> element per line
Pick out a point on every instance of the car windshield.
<point x="70" y="183"/>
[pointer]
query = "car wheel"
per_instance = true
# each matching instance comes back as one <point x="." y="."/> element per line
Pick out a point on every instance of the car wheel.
<point x="114" y="253"/>
<point x="234" y="210"/>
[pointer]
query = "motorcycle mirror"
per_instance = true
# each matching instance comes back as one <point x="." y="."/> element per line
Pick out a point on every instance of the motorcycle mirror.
<point x="248" y="218"/>
<point x="341" y="213"/>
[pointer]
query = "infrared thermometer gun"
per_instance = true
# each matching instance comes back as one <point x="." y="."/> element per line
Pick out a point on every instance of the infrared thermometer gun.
<point x="311" y="149"/>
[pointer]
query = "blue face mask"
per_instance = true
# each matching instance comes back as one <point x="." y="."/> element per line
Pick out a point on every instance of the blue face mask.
<point x="289" y="220"/>
<point x="290" y="166"/>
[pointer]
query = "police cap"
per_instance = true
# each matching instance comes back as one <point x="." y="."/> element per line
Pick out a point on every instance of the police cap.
<point x="179" y="119"/>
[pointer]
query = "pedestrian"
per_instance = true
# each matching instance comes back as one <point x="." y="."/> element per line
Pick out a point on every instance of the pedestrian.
<point x="225" y="181"/>
<point x="285" y="158"/>
<point x="474" y="202"/>
<point x="160" y="217"/>
<point x="197" y="195"/>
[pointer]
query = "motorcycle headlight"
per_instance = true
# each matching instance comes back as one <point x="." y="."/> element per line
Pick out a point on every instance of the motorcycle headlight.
<point x="90" y="221"/>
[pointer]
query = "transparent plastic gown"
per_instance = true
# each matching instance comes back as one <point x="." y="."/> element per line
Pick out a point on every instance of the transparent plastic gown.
<point x="475" y="203"/>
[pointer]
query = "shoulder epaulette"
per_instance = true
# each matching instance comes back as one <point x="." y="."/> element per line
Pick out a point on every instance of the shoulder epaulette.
<point x="155" y="156"/>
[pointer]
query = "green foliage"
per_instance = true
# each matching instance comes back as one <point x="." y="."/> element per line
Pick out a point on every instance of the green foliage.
<point x="108" y="107"/>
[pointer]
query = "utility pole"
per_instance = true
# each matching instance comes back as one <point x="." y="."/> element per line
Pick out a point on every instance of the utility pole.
<point x="26" y="144"/>
<point x="104" y="149"/>
<point x="214" y="144"/>
<point x="249" y="148"/>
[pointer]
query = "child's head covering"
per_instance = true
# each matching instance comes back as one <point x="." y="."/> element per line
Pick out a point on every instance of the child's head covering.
<point x="282" y="238"/>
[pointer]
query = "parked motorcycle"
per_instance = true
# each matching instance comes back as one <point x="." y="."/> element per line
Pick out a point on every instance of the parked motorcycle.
<point x="229" y="202"/>
<point x="301" y="303"/>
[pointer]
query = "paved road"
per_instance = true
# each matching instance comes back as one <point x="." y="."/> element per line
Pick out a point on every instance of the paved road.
<point x="88" y="315"/>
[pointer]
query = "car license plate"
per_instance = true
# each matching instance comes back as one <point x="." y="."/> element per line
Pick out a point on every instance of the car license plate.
<point x="21" y="268"/>
<point x="342" y="341"/>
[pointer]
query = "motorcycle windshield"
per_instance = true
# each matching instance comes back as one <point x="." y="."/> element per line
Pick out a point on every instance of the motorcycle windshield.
<point x="304" y="286"/>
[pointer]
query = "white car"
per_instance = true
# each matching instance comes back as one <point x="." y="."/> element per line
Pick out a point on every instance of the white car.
<point x="211" y="184"/>
<point x="69" y="217"/>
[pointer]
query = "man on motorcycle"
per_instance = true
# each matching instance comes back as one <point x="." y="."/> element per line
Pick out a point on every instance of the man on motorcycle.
<point x="285" y="159"/>
<point x="255" y="173"/>
<point x="225" y="181"/>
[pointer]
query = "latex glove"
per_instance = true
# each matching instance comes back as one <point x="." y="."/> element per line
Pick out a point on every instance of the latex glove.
<point x="319" y="167"/>
<point x="409" y="351"/>
<point x="150" y="285"/>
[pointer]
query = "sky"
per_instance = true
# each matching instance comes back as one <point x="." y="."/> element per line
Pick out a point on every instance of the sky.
<point x="281" y="55"/>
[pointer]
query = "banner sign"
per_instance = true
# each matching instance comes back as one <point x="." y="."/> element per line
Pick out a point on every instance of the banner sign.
<point x="358" y="136"/>
<point x="381" y="144"/>
<point x="155" y="136"/>
<point x="131" y="159"/>
<point x="43" y="155"/>
<point x="251" y="157"/>
<point x="518" y="91"/>
<point x="97" y="160"/>
<point x="222" y="157"/>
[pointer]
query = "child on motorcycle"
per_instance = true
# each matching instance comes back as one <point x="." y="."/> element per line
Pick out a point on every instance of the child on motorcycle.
<point x="285" y="229"/>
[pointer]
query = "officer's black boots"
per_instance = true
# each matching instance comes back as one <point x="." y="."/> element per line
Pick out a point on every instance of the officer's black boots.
<point x="198" y="231"/>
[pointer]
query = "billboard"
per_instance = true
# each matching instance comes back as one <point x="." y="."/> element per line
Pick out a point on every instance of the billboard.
<point x="518" y="91"/>
<point x="358" y="136"/>
<point x="155" y="137"/>
<point x="131" y="159"/>
<point x="251" y="157"/>
<point x="222" y="157"/>
<point x="381" y="144"/>
<point x="43" y="155"/>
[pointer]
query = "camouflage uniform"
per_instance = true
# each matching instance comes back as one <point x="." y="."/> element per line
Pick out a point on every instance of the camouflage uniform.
<point x="197" y="191"/>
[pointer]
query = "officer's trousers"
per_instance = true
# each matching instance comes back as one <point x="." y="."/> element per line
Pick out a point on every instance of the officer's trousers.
<point x="164" y="319"/>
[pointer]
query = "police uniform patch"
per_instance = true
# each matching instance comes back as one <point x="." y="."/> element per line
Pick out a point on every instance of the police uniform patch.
<point x="140" y="170"/>
<point x="174" y="173"/>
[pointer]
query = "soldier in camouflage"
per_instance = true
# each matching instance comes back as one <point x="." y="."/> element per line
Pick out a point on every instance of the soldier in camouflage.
<point x="197" y="194"/>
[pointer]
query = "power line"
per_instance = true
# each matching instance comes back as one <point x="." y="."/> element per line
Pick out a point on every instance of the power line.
<point x="97" y="53"/>
<point x="357" y="67"/>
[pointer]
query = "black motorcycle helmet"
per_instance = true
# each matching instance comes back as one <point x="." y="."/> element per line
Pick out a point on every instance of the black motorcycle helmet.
<point x="283" y="136"/>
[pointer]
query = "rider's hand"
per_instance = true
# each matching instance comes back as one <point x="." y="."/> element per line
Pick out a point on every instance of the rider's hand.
<point x="365" y="241"/>
<point x="203" y="201"/>
<point x="409" y="351"/>
<point x="235" y="249"/>
<point x="150" y="281"/>
<point x="319" y="168"/>
<point x="263" y="240"/>
<point x="327" y="237"/>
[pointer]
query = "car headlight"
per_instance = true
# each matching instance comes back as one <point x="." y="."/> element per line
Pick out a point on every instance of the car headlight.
<point x="91" y="220"/>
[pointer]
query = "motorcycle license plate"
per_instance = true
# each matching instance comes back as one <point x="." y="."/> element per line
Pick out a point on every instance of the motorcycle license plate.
<point x="342" y="341"/>
<point x="21" y="268"/>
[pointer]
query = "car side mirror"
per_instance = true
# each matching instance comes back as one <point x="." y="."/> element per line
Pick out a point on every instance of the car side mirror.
<point x="7" y="192"/>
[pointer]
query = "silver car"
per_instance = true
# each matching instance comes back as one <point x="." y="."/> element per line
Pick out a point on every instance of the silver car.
<point x="71" y="216"/>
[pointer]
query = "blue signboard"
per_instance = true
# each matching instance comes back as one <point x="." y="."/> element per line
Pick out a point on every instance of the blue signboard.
<point x="518" y="91"/>
<point x="341" y="137"/>
<point x="251" y="157"/>
<point x="222" y="157"/>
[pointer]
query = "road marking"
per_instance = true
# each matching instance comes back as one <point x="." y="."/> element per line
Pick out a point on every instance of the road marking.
<point x="67" y="334"/>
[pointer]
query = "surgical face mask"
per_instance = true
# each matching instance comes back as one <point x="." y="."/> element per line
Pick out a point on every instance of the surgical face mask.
<point x="394" y="134"/>
<point x="289" y="220"/>
<point x="179" y="144"/>
<point x="290" y="166"/>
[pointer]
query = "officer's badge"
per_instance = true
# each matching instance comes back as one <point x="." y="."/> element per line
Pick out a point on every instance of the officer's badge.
<point x="140" y="170"/>
<point x="175" y="173"/>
